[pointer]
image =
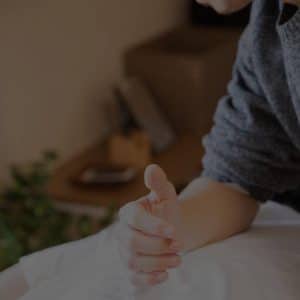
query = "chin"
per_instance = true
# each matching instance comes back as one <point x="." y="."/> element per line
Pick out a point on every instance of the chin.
<point x="229" y="7"/>
<point x="224" y="10"/>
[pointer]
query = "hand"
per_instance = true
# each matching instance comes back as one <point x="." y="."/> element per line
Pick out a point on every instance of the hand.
<point x="148" y="234"/>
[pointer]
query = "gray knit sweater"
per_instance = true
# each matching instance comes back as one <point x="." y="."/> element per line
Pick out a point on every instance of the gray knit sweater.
<point x="255" y="141"/>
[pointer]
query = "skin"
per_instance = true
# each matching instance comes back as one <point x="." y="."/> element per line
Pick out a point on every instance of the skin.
<point x="154" y="229"/>
<point x="230" y="6"/>
<point x="225" y="6"/>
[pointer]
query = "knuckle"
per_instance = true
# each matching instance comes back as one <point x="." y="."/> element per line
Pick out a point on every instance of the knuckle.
<point x="168" y="263"/>
<point x="132" y="241"/>
<point x="163" y="247"/>
<point x="157" y="265"/>
<point x="174" y="262"/>
<point x="151" y="280"/>
<point x="155" y="280"/>
<point x="156" y="246"/>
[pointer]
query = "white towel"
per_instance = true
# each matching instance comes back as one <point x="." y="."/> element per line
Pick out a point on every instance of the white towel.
<point x="261" y="264"/>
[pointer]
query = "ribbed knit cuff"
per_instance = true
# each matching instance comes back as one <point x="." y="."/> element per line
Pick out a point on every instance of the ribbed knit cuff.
<point x="258" y="193"/>
<point x="290" y="30"/>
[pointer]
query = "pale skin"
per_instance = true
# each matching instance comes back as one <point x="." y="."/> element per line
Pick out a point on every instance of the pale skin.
<point x="153" y="232"/>
<point x="230" y="6"/>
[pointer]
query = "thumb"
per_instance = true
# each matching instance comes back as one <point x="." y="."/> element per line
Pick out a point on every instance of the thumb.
<point x="157" y="182"/>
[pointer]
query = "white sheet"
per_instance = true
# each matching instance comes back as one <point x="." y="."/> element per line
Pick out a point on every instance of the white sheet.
<point x="261" y="264"/>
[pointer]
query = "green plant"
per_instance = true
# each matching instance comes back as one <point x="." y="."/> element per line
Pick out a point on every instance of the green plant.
<point x="28" y="220"/>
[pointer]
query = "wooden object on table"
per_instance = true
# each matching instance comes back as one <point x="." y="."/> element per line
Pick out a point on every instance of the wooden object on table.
<point x="133" y="150"/>
<point x="187" y="70"/>
<point x="182" y="162"/>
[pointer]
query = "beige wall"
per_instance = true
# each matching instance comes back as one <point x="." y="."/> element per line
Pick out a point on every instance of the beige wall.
<point x="58" y="59"/>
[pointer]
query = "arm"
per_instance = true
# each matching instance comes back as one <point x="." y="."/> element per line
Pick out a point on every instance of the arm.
<point x="249" y="144"/>
<point x="248" y="147"/>
<point x="245" y="154"/>
<point x="212" y="211"/>
<point x="12" y="284"/>
<point x="153" y="229"/>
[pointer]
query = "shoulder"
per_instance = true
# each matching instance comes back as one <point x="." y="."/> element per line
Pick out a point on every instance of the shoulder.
<point x="262" y="11"/>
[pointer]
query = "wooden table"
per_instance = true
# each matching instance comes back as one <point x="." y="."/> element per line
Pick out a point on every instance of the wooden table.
<point x="182" y="163"/>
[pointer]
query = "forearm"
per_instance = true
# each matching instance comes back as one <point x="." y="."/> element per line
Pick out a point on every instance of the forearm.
<point x="212" y="211"/>
<point x="12" y="284"/>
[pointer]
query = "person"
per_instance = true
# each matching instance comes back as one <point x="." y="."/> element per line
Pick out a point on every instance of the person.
<point x="252" y="155"/>
<point x="252" y="152"/>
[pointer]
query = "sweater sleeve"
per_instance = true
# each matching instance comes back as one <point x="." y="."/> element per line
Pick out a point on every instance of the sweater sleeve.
<point x="289" y="33"/>
<point x="287" y="12"/>
<point x="247" y="145"/>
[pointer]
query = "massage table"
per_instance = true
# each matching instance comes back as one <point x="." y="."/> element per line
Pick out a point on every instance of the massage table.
<point x="261" y="264"/>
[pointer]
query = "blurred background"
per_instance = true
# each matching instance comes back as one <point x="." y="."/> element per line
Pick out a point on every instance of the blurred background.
<point x="90" y="93"/>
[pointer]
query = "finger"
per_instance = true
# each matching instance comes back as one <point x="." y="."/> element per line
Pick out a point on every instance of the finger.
<point x="134" y="215"/>
<point x="143" y="280"/>
<point x="149" y="264"/>
<point x="157" y="182"/>
<point x="138" y="242"/>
